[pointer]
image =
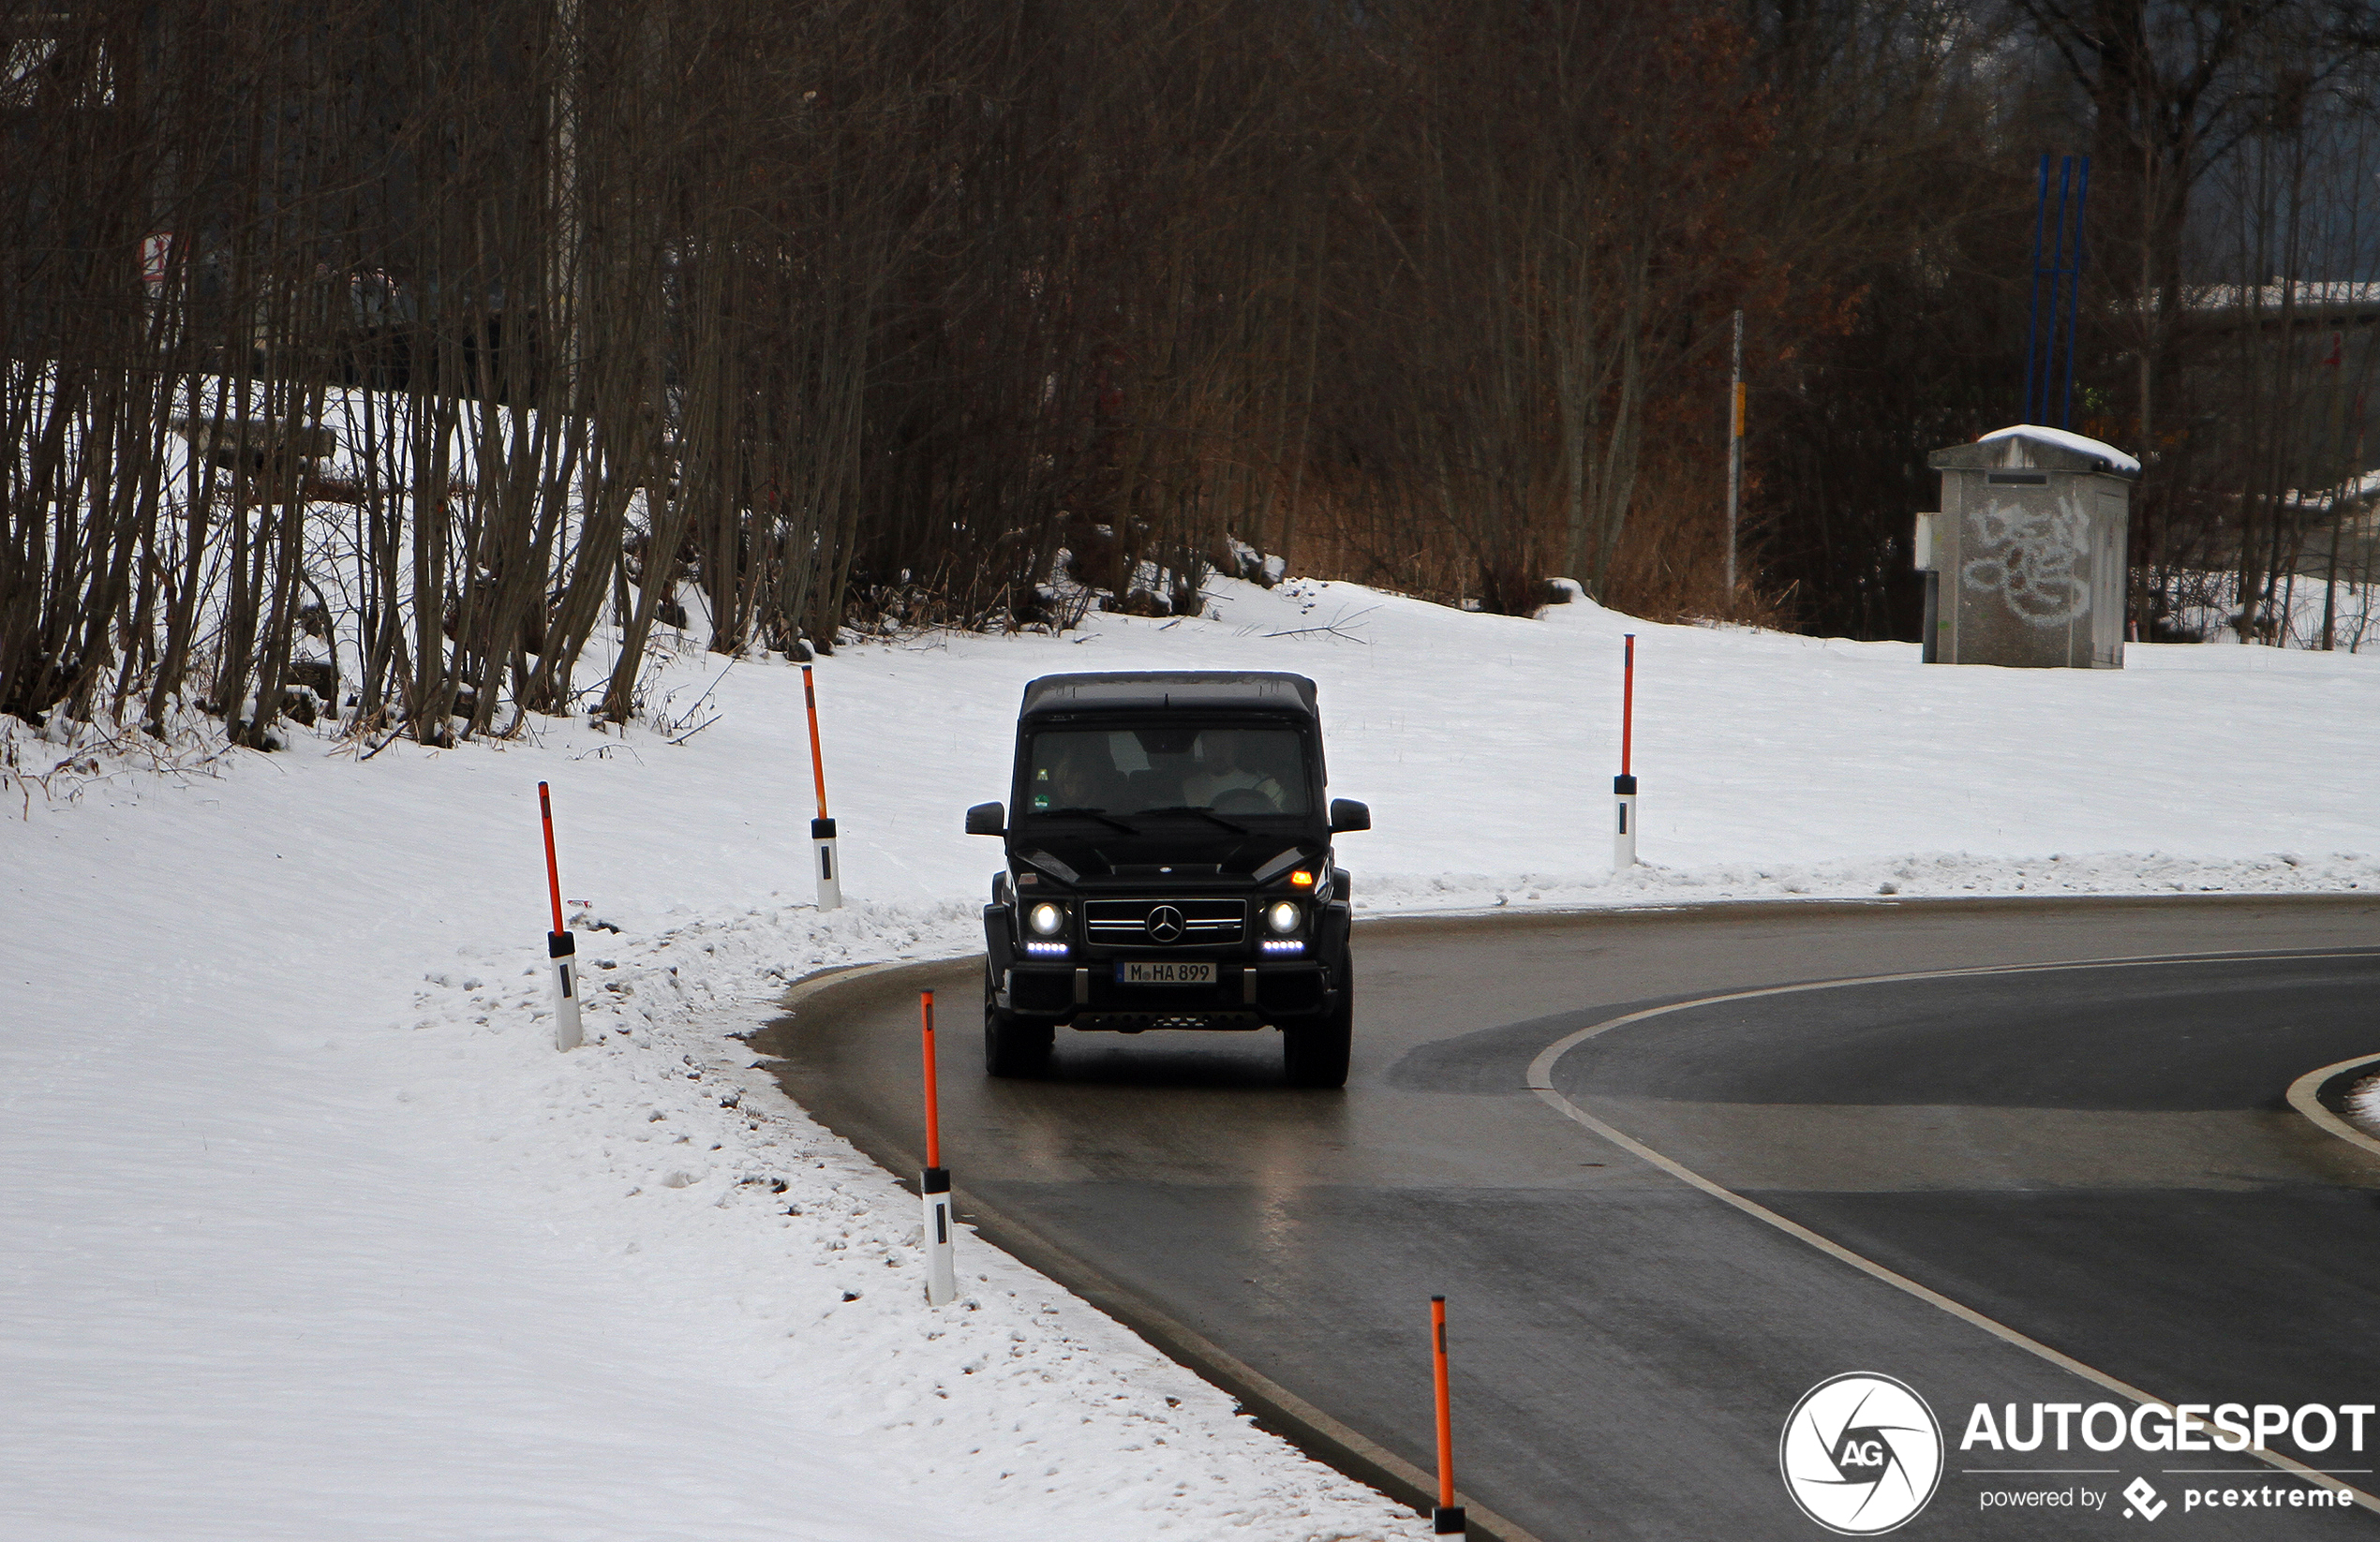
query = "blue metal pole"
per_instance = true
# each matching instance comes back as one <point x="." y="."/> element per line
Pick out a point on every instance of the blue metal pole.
<point x="2073" y="304"/>
<point x="2032" y="319"/>
<point x="2057" y="278"/>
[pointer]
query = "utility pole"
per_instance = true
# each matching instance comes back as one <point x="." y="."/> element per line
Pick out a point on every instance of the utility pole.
<point x="1735" y="455"/>
<point x="566" y="244"/>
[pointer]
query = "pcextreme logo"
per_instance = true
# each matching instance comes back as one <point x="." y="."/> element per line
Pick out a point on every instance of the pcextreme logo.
<point x="1861" y="1453"/>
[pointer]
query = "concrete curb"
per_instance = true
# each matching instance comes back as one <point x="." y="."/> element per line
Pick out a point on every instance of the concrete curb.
<point x="2321" y="1096"/>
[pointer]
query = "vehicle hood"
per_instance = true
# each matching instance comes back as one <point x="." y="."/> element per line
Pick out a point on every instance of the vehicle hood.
<point x="1105" y="858"/>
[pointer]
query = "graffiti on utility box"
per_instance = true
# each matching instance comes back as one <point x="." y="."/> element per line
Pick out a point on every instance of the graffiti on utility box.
<point x="2035" y="559"/>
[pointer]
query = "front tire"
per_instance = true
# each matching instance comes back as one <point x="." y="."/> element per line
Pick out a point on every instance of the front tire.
<point x="1013" y="1048"/>
<point x="1315" y="1053"/>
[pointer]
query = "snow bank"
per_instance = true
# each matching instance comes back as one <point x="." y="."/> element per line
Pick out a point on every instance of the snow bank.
<point x="2363" y="1105"/>
<point x="314" y="1235"/>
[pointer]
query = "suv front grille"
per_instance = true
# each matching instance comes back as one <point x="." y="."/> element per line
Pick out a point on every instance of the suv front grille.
<point x="1124" y="922"/>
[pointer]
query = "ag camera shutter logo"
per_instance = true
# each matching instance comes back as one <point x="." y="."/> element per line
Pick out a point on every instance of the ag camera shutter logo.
<point x="1861" y="1453"/>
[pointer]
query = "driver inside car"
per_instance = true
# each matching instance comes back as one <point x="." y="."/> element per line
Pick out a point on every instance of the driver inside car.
<point x="1225" y="767"/>
<point x="1072" y="783"/>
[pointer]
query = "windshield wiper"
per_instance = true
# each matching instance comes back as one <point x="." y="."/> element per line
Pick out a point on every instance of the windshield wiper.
<point x="1202" y="813"/>
<point x="1099" y="814"/>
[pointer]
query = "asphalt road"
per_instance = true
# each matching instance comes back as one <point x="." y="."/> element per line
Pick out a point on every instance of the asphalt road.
<point x="2100" y="1159"/>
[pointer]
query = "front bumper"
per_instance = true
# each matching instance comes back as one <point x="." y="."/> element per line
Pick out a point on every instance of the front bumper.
<point x="1250" y="989"/>
<point x="1242" y="996"/>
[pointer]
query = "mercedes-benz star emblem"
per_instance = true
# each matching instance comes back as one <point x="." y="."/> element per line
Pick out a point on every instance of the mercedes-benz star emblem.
<point x="1165" y="924"/>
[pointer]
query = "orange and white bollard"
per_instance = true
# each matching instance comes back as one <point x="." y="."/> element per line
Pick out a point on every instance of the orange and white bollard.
<point x="560" y="948"/>
<point x="933" y="1185"/>
<point x="824" y="860"/>
<point x="1447" y="1520"/>
<point x="1624" y="785"/>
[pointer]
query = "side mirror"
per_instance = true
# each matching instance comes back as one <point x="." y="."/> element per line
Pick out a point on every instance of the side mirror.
<point x="989" y="818"/>
<point x="1346" y="814"/>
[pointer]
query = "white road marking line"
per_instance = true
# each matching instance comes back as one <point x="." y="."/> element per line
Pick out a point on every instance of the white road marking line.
<point x="1541" y="1081"/>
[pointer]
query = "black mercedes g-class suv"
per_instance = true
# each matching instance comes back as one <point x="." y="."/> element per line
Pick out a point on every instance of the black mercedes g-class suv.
<point x="1169" y="866"/>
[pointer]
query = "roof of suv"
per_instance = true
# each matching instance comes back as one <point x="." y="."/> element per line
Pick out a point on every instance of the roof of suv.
<point x="1159" y="691"/>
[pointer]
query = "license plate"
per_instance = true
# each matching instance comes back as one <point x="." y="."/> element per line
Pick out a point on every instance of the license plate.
<point x="1137" y="972"/>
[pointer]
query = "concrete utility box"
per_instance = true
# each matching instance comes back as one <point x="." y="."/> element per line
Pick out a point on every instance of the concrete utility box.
<point x="2025" y="564"/>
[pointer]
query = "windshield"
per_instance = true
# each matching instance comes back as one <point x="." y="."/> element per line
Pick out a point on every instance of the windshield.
<point x="1221" y="770"/>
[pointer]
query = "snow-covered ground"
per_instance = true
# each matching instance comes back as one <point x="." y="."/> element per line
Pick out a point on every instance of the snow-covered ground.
<point x="311" y="1234"/>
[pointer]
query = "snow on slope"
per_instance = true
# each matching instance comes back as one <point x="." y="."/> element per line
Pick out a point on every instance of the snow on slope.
<point x="312" y="1235"/>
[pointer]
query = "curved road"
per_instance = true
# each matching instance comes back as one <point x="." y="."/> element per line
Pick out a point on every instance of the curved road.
<point x="2092" y="1162"/>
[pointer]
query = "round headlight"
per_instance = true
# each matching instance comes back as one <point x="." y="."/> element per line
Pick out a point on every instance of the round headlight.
<point x="1283" y="917"/>
<point x="1047" y="918"/>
